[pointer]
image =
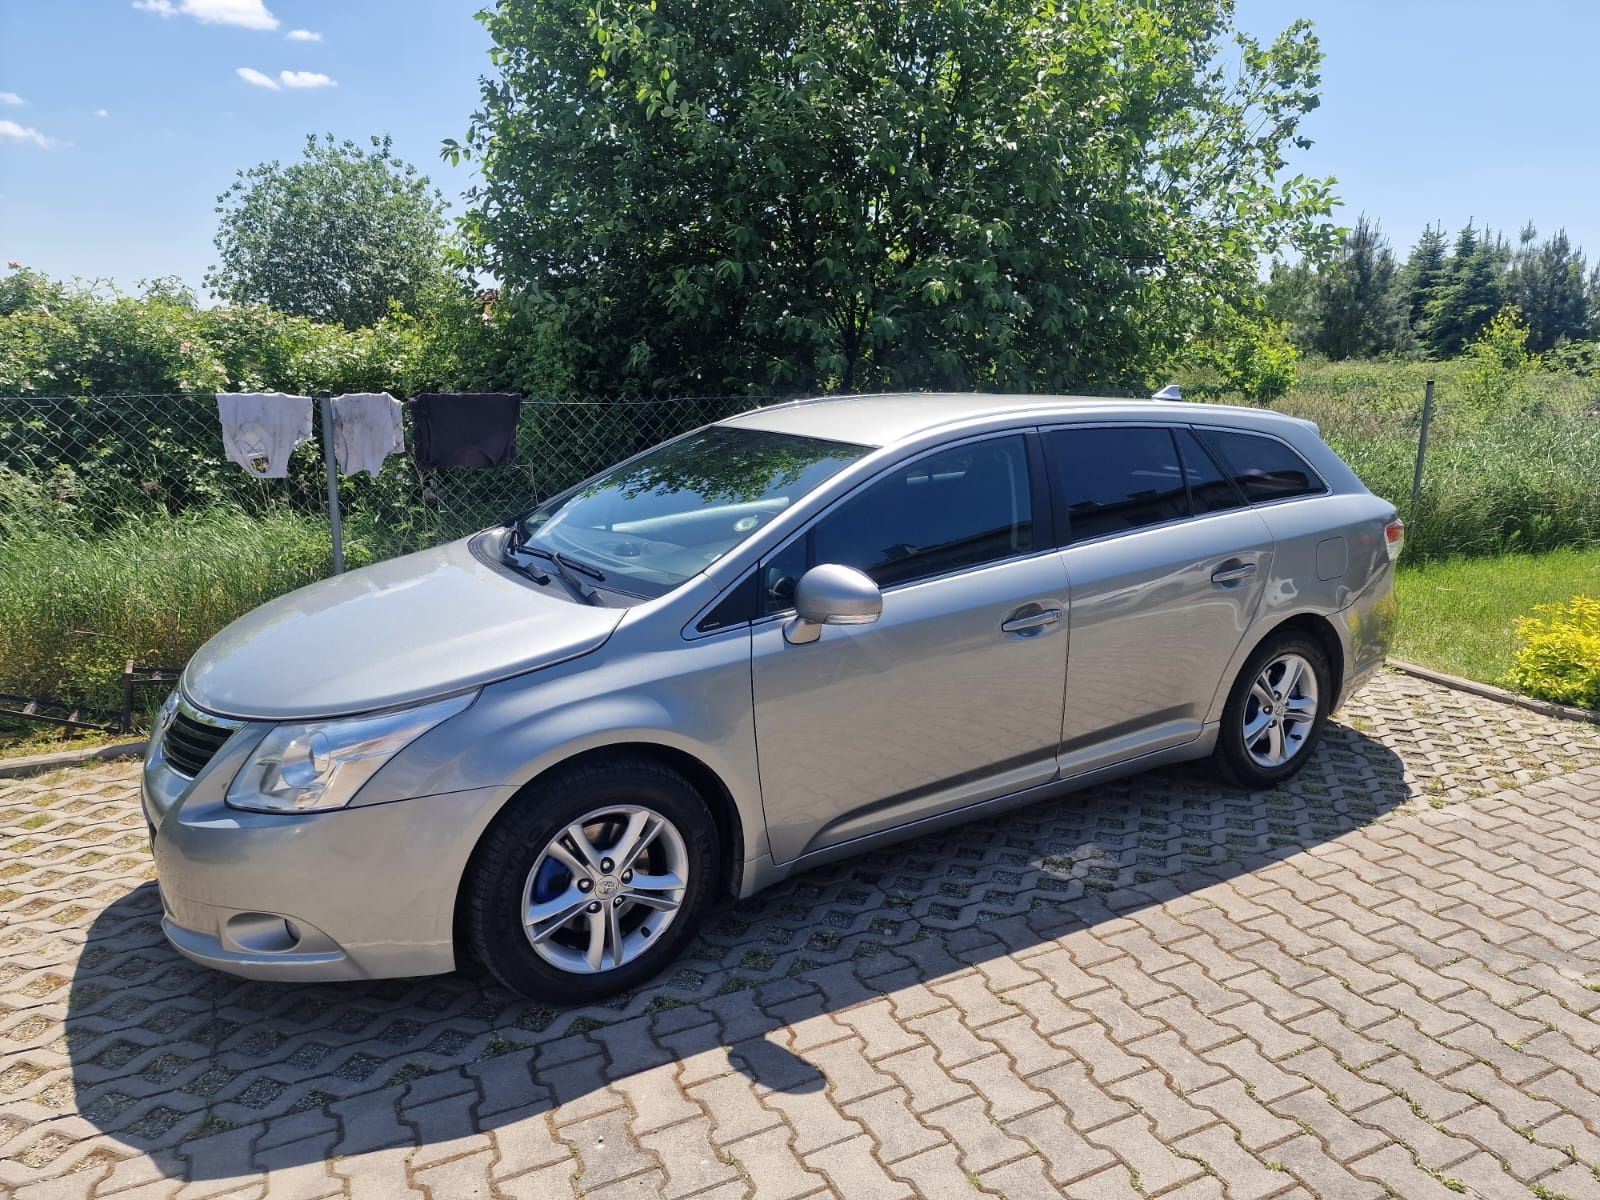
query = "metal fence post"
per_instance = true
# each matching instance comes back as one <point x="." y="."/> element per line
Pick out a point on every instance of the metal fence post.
<point x="335" y="520"/>
<point x="1422" y="448"/>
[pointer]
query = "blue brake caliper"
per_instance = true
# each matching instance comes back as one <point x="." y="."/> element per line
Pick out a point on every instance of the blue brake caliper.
<point x="551" y="881"/>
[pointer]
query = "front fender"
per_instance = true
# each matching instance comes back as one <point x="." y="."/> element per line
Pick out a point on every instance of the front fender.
<point x="693" y="697"/>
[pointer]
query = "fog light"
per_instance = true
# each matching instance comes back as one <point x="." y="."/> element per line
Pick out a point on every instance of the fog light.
<point x="262" y="933"/>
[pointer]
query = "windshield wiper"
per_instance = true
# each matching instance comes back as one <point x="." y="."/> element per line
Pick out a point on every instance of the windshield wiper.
<point x="508" y="557"/>
<point x="566" y="570"/>
<point x="515" y="544"/>
<point x="528" y="572"/>
<point x="583" y="568"/>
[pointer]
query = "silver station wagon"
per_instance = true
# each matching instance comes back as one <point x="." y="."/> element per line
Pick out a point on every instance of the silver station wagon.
<point x="552" y="747"/>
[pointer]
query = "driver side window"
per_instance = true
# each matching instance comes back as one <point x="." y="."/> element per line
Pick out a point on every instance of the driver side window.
<point x="946" y="511"/>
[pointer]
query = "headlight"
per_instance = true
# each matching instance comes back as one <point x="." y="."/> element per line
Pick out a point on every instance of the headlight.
<point x="322" y="764"/>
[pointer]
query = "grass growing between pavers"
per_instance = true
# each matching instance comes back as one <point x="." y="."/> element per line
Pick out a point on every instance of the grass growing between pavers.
<point x="20" y="739"/>
<point x="1460" y="615"/>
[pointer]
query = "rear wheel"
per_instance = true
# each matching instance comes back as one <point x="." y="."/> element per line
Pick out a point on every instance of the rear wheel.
<point x="592" y="882"/>
<point x="1275" y="712"/>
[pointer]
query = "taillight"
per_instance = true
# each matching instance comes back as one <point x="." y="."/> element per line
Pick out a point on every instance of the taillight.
<point x="1394" y="537"/>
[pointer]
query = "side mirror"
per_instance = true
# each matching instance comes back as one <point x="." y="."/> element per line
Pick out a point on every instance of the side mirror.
<point x="831" y="594"/>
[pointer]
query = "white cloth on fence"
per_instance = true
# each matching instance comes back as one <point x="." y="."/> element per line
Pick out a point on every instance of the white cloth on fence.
<point x="260" y="430"/>
<point x="367" y="428"/>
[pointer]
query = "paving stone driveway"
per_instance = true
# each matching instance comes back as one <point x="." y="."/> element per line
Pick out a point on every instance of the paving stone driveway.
<point x="1382" y="980"/>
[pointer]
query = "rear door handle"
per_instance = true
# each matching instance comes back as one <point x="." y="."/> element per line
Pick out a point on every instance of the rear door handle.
<point x="1028" y="622"/>
<point x="1233" y="574"/>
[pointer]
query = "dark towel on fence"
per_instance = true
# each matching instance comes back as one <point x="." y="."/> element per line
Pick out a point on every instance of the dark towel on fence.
<point x="465" y="429"/>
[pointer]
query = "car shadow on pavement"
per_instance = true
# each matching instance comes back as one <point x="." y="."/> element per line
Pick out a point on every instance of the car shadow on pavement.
<point x="214" y="1077"/>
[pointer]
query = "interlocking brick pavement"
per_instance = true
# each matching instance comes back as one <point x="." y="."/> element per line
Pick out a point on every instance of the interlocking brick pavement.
<point x="1382" y="979"/>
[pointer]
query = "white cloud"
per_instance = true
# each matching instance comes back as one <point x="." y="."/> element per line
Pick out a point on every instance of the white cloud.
<point x="303" y="35"/>
<point x="306" y="79"/>
<point x="246" y="14"/>
<point x="257" y="78"/>
<point x="100" y="112"/>
<point x="11" y="98"/>
<point x="10" y="131"/>
<point x="285" y="79"/>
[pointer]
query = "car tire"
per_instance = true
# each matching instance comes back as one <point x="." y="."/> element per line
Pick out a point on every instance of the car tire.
<point x="1256" y="756"/>
<point x="524" y="865"/>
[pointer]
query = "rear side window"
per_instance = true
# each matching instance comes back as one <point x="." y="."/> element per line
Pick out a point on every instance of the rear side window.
<point x="1210" y="490"/>
<point x="1263" y="468"/>
<point x="1114" y="479"/>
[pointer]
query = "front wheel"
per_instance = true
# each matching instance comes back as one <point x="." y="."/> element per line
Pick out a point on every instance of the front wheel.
<point x="591" y="882"/>
<point x="1275" y="712"/>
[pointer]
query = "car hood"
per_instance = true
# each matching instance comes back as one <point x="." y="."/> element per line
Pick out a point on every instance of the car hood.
<point x="398" y="632"/>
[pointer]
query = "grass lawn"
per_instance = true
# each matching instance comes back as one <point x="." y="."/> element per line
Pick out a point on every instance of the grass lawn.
<point x="22" y="739"/>
<point x="1460" y="615"/>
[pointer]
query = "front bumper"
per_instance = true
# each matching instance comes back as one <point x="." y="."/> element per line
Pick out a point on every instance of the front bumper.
<point x="365" y="892"/>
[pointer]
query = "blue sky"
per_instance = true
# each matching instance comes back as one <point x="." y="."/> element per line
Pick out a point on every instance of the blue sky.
<point x="131" y="194"/>
<point x="1432" y="110"/>
<point x="1444" y="110"/>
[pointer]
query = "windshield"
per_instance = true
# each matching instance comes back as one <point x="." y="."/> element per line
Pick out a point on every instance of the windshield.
<point x="646" y="526"/>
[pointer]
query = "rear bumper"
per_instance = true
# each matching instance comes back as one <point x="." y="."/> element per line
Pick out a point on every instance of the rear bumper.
<point x="1366" y="627"/>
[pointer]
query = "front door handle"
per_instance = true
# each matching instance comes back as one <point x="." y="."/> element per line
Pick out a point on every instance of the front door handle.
<point x="1233" y="574"/>
<point x="1028" y="622"/>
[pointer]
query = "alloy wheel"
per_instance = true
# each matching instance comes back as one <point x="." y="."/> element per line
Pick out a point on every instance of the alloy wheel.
<point x="1280" y="711"/>
<point x="605" y="889"/>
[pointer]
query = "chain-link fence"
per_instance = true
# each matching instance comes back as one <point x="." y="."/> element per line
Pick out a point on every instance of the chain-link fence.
<point x="559" y="442"/>
<point x="97" y="460"/>
<point x="126" y="535"/>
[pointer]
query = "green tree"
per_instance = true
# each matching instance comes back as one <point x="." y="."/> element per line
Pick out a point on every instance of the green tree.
<point x="1498" y="364"/>
<point x="1418" y="281"/>
<point x="1355" y="313"/>
<point x="1289" y="298"/>
<point x="813" y="194"/>
<point x="1594" y="301"/>
<point x="338" y="236"/>
<point x="1470" y="294"/>
<point x="1547" y="286"/>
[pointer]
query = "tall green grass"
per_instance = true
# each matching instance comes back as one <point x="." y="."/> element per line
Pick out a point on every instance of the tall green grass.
<point x="77" y="605"/>
<point x="1514" y="473"/>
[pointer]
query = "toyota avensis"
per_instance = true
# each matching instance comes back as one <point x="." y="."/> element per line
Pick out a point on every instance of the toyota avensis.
<point x="779" y="639"/>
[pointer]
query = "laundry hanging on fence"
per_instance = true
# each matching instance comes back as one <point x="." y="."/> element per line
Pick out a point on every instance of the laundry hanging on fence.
<point x="466" y="429"/>
<point x="260" y="430"/>
<point x="367" y="428"/>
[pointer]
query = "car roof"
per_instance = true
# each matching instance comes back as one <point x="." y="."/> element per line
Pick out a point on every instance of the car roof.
<point x="884" y="420"/>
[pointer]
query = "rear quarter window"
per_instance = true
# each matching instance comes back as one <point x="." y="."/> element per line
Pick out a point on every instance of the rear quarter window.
<point x="1262" y="468"/>
<point x="1210" y="487"/>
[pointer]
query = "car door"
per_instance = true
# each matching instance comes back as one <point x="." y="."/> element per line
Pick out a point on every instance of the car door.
<point x="1166" y="564"/>
<point x="954" y="695"/>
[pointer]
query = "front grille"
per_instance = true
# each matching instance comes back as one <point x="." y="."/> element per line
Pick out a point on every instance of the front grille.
<point x="191" y="742"/>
